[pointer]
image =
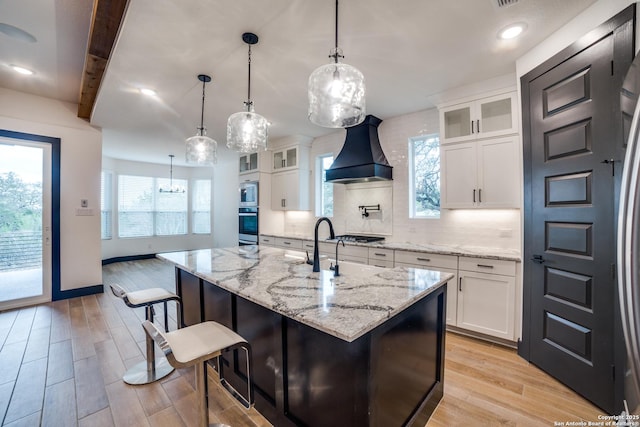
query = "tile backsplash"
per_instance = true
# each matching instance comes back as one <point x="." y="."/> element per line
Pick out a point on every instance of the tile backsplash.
<point x="369" y="194"/>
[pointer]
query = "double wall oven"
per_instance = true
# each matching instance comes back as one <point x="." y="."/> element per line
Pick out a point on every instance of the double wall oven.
<point x="248" y="214"/>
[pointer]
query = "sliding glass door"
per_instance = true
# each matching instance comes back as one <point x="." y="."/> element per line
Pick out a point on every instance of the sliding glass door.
<point x="25" y="222"/>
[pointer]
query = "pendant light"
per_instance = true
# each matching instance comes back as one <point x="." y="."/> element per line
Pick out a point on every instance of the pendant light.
<point x="171" y="189"/>
<point x="336" y="92"/>
<point x="201" y="149"/>
<point x="246" y="130"/>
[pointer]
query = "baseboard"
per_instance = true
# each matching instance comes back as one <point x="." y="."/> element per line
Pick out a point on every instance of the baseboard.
<point x="80" y="292"/>
<point x="127" y="258"/>
<point x="484" y="337"/>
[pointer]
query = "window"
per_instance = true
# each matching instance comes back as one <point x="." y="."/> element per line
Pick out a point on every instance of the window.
<point x="144" y="211"/>
<point x="324" y="189"/>
<point x="105" y="205"/>
<point x="424" y="176"/>
<point x="201" y="206"/>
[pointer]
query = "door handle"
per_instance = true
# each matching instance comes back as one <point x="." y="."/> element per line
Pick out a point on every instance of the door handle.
<point x="478" y="125"/>
<point x="474" y="195"/>
<point x="471" y="126"/>
<point x="538" y="259"/>
<point x="480" y="195"/>
<point x="460" y="284"/>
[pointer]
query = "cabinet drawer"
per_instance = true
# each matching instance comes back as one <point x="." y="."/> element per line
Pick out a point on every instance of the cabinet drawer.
<point x="267" y="240"/>
<point x="289" y="243"/>
<point x="349" y="258"/>
<point x="380" y="254"/>
<point x="307" y="245"/>
<point x="355" y="251"/>
<point x="490" y="266"/>
<point x="327" y="248"/>
<point x="381" y="262"/>
<point x="426" y="259"/>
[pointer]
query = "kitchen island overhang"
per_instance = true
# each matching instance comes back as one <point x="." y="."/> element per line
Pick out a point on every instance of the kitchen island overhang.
<point x="364" y="348"/>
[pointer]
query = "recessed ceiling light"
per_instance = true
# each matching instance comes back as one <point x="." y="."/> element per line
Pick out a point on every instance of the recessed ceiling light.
<point x="22" y="70"/>
<point x="148" y="92"/>
<point x="512" y="31"/>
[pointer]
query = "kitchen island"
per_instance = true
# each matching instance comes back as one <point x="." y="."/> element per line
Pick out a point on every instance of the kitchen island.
<point x="365" y="348"/>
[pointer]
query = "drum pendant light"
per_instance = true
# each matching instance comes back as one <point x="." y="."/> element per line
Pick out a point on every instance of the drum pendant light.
<point x="247" y="131"/>
<point x="201" y="149"/>
<point x="336" y="92"/>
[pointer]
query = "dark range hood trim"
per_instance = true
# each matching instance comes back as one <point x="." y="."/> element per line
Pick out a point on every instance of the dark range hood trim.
<point x="361" y="173"/>
<point x="361" y="158"/>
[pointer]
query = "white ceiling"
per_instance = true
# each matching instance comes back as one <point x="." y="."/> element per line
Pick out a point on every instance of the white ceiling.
<point x="409" y="51"/>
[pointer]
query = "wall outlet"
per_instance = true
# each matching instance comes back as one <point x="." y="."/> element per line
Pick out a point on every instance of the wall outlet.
<point x="84" y="203"/>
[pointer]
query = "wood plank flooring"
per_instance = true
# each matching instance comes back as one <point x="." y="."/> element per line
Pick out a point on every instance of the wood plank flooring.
<point x="61" y="364"/>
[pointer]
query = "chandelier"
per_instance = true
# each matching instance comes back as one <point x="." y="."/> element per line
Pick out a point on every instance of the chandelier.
<point x="171" y="188"/>
<point x="336" y="92"/>
<point x="246" y="130"/>
<point x="201" y="149"/>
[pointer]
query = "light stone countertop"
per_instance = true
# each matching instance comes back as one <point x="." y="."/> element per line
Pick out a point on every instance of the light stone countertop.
<point x="459" y="250"/>
<point x="347" y="307"/>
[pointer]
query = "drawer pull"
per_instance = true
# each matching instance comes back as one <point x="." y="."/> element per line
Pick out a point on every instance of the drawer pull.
<point x="377" y="254"/>
<point x="484" y="266"/>
<point x="266" y="240"/>
<point x="287" y="243"/>
<point x="424" y="259"/>
<point x="381" y="266"/>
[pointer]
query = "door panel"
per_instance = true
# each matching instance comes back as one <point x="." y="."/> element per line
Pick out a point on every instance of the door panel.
<point x="571" y="114"/>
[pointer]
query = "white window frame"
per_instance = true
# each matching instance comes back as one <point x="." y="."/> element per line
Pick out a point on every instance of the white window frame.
<point x="106" y="205"/>
<point x="154" y="207"/>
<point x="412" y="182"/>
<point x="319" y="186"/>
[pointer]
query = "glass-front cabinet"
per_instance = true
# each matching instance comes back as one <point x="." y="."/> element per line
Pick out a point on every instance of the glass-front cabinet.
<point x="287" y="158"/>
<point x="248" y="162"/>
<point x="482" y="118"/>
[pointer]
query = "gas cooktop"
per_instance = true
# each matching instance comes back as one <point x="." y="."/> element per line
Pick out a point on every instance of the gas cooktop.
<point x="359" y="239"/>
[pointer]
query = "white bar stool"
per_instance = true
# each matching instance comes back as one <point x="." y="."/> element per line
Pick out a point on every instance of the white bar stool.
<point x="152" y="369"/>
<point x="195" y="345"/>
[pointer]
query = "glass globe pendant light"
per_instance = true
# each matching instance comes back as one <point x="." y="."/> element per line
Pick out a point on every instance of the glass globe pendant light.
<point x="247" y="131"/>
<point x="336" y="92"/>
<point x="201" y="149"/>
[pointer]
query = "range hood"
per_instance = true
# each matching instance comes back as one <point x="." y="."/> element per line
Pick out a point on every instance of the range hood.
<point x="361" y="158"/>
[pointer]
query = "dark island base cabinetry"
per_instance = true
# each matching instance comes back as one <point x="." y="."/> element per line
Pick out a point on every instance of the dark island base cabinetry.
<point x="391" y="376"/>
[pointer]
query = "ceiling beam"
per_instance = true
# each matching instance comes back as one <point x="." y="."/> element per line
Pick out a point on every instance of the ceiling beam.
<point x="105" y="25"/>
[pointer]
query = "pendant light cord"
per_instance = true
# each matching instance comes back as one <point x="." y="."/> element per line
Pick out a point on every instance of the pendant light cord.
<point x="202" y="110"/>
<point x="336" y="53"/>
<point x="249" y="103"/>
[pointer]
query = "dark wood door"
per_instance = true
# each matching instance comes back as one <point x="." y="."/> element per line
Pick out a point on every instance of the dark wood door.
<point x="573" y="124"/>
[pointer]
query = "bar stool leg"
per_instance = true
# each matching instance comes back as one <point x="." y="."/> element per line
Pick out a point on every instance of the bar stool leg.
<point x="201" y="389"/>
<point x="151" y="369"/>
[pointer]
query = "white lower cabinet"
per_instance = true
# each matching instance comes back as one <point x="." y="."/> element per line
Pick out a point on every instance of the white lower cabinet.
<point x="486" y="296"/>
<point x="445" y="263"/>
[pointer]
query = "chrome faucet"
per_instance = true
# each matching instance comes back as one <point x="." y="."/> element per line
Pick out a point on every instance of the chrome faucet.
<point x="316" y="252"/>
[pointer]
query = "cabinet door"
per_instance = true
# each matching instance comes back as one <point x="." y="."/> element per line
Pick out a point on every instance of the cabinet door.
<point x="498" y="173"/>
<point x="285" y="159"/>
<point x="452" y="296"/>
<point x="486" y="303"/>
<point x="290" y="191"/>
<point x="459" y="175"/>
<point x="455" y="123"/>
<point x="278" y="160"/>
<point x="496" y="116"/>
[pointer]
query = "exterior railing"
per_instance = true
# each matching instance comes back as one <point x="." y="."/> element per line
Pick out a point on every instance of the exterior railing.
<point x="20" y="250"/>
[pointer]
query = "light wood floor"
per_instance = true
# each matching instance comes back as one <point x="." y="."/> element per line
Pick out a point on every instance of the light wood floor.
<point x="61" y="365"/>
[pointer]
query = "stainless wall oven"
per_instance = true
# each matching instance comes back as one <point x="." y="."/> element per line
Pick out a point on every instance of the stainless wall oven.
<point x="248" y="226"/>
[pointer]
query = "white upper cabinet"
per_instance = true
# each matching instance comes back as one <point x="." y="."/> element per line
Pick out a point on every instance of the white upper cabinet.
<point x="481" y="174"/>
<point x="285" y="159"/>
<point x="482" y="118"/>
<point x="248" y="163"/>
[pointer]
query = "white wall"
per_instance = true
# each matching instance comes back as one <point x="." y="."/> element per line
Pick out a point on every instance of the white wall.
<point x="487" y="228"/>
<point x="81" y="152"/>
